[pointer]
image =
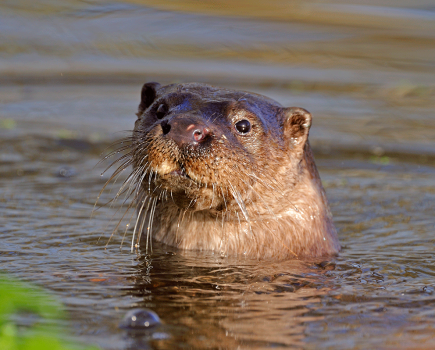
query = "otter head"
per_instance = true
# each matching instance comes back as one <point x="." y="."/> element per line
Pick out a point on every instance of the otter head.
<point x="208" y="149"/>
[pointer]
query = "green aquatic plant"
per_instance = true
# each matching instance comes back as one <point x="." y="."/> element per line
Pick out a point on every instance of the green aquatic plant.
<point x="29" y="319"/>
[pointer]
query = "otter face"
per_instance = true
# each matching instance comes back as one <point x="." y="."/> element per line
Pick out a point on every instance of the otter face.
<point x="202" y="146"/>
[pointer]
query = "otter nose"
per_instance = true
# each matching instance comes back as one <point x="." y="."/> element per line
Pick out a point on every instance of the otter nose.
<point x="184" y="130"/>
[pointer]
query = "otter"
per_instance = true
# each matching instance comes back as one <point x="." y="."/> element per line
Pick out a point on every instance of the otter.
<point x="226" y="171"/>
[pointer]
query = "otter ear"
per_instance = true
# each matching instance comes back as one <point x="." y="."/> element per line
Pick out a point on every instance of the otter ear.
<point x="147" y="96"/>
<point x="297" y="123"/>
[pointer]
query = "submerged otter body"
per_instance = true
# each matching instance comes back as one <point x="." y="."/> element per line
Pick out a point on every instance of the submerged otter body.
<point x="227" y="171"/>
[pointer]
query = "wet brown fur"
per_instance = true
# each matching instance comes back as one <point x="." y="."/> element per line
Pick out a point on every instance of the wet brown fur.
<point x="257" y="194"/>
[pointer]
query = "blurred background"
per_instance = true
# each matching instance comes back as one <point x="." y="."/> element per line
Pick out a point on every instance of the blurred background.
<point x="70" y="78"/>
<point x="366" y="72"/>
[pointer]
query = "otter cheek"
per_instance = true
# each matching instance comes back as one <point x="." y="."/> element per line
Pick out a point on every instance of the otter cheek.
<point x="200" y="173"/>
<point x="193" y="175"/>
<point x="165" y="167"/>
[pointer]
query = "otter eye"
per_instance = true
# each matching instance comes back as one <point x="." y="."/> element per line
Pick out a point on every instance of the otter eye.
<point x="243" y="126"/>
<point x="161" y="111"/>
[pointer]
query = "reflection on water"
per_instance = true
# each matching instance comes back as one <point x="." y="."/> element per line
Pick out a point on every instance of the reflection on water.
<point x="71" y="74"/>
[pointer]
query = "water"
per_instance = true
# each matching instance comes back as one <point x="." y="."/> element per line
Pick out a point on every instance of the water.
<point x="70" y="80"/>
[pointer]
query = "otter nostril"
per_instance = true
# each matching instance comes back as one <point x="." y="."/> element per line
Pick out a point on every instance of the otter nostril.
<point x="166" y="127"/>
<point x="199" y="135"/>
<point x="161" y="111"/>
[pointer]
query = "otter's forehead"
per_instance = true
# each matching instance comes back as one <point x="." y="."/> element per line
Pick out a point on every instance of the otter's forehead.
<point x="214" y="101"/>
<point x="209" y="94"/>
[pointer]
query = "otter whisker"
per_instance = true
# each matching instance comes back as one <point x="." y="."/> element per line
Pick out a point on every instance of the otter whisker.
<point x="223" y="197"/>
<point x="149" y="179"/>
<point x="126" y="158"/>
<point x="217" y="116"/>
<point x="128" y="146"/>
<point x="192" y="202"/>
<point x="107" y="183"/>
<point x="143" y="219"/>
<point x="242" y="96"/>
<point x="150" y="225"/>
<point x="130" y="180"/>
<point x="240" y="202"/>
<point x="127" y="140"/>
<point x="178" y="224"/>
<point x="111" y="203"/>
<point x="119" y="223"/>
<point x="128" y="194"/>
<point x="138" y="181"/>
<point x="126" y="228"/>
<point x="113" y="179"/>
<point x="172" y="197"/>
<point x="137" y="220"/>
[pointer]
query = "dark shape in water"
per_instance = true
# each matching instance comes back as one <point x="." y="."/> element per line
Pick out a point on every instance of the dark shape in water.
<point x="140" y="320"/>
<point x="66" y="171"/>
